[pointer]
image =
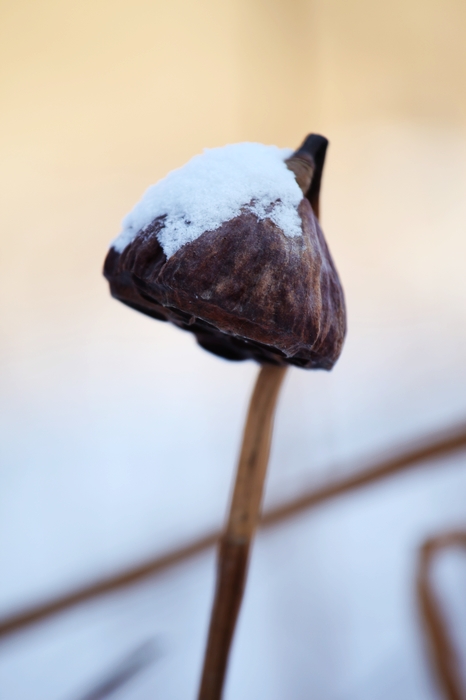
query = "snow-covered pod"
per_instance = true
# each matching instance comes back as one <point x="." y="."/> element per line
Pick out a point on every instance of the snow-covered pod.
<point x="229" y="247"/>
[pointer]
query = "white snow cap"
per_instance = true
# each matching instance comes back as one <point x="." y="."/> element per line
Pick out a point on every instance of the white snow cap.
<point x="214" y="187"/>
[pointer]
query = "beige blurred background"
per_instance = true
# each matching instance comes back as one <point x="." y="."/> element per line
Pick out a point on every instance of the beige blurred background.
<point x="119" y="434"/>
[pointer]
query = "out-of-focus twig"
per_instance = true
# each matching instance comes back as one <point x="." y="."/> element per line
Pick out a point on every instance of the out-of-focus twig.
<point x="124" y="671"/>
<point x="443" y="653"/>
<point x="431" y="448"/>
<point x="427" y="450"/>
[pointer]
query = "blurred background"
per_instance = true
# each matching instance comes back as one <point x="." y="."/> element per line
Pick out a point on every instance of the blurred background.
<point x="119" y="435"/>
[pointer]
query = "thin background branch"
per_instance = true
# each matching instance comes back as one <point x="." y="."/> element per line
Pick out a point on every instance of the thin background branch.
<point x="442" y="649"/>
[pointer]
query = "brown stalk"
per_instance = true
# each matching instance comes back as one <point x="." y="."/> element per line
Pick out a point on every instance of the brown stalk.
<point x="235" y="542"/>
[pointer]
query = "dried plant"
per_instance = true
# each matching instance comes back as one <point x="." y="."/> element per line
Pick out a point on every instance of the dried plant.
<point x="230" y="248"/>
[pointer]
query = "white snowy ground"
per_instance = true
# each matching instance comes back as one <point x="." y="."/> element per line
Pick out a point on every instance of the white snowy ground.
<point x="119" y="438"/>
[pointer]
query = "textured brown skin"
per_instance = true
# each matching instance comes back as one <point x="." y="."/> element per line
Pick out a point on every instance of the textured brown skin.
<point x="245" y="290"/>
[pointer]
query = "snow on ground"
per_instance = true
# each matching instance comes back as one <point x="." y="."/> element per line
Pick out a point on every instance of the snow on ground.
<point x="330" y="610"/>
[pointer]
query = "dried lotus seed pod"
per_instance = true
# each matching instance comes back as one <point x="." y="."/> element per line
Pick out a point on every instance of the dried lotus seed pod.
<point x="229" y="247"/>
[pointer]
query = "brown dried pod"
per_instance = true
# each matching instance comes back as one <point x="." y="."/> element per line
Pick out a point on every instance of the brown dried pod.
<point x="233" y="266"/>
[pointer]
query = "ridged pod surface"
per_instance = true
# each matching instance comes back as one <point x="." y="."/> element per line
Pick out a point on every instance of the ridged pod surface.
<point x="245" y="289"/>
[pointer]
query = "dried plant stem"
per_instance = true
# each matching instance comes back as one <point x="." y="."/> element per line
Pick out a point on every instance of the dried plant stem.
<point x="242" y="521"/>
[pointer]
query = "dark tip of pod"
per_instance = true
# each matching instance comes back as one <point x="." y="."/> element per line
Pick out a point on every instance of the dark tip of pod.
<point x="314" y="146"/>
